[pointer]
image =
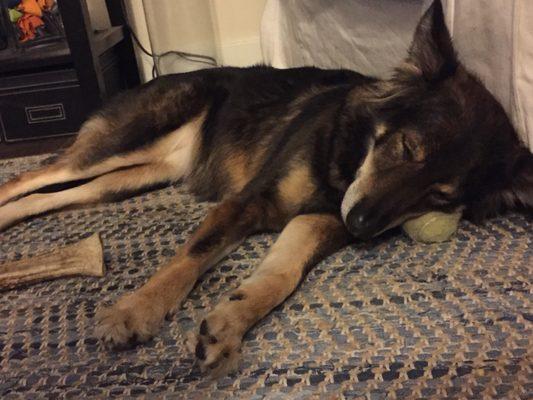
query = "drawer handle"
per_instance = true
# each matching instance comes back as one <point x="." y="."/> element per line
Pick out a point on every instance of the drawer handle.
<point x="47" y="113"/>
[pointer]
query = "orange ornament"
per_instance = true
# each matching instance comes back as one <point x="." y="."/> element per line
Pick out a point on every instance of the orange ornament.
<point x="30" y="7"/>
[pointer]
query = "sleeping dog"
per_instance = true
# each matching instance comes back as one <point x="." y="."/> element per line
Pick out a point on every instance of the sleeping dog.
<point x="325" y="157"/>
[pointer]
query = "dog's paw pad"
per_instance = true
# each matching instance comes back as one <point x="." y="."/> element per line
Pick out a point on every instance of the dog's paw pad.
<point x="217" y="348"/>
<point x="126" y="323"/>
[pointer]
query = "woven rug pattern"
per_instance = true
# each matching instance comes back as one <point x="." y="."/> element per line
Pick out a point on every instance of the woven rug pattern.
<point x="387" y="319"/>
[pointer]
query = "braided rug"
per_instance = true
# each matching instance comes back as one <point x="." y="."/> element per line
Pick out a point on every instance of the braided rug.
<point x="388" y="319"/>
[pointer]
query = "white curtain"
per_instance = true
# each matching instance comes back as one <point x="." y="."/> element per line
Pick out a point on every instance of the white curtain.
<point x="494" y="38"/>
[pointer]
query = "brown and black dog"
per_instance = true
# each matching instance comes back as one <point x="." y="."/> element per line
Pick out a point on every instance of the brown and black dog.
<point x="324" y="156"/>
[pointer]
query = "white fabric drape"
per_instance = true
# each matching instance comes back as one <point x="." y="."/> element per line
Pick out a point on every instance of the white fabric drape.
<point x="494" y="38"/>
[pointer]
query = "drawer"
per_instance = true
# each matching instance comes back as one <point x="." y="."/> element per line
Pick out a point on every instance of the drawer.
<point x="35" y="111"/>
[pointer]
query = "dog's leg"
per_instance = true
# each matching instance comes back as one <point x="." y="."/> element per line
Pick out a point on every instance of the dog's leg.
<point x="137" y="317"/>
<point x="102" y="188"/>
<point x="67" y="167"/>
<point x="303" y="242"/>
<point x="60" y="172"/>
<point x="33" y="180"/>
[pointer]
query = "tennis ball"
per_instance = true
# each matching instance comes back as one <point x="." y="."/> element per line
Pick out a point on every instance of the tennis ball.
<point x="432" y="227"/>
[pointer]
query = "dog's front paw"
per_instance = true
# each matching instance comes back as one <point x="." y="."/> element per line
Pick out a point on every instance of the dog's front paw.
<point x="135" y="318"/>
<point x="217" y="346"/>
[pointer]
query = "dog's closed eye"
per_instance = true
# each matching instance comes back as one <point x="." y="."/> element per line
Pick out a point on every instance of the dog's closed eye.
<point x="440" y="198"/>
<point x="442" y="194"/>
<point x="412" y="148"/>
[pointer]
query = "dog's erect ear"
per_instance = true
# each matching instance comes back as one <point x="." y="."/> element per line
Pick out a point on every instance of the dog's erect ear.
<point x="431" y="50"/>
<point x="519" y="194"/>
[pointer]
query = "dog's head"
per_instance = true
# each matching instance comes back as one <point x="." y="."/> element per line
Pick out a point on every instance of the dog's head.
<point x="438" y="141"/>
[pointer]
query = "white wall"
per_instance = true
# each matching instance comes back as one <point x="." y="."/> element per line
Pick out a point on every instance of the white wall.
<point x="227" y="30"/>
<point x="237" y="29"/>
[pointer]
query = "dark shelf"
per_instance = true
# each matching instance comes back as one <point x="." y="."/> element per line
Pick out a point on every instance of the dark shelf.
<point x="104" y="40"/>
<point x="52" y="54"/>
<point x="46" y="55"/>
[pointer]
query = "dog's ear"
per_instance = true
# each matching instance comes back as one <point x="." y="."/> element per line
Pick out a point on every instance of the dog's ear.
<point x="519" y="193"/>
<point x="431" y="52"/>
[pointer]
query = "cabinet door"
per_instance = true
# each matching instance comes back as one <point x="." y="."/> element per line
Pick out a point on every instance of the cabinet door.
<point x="40" y="111"/>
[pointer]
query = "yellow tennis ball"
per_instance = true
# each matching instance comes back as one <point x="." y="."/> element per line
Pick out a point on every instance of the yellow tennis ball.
<point x="432" y="227"/>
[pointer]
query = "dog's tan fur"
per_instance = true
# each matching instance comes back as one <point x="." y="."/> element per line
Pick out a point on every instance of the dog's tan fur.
<point x="297" y="187"/>
<point x="302" y="241"/>
<point x="239" y="167"/>
<point x="131" y="179"/>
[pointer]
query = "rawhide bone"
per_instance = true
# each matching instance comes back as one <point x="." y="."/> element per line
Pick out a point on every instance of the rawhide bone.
<point x="82" y="258"/>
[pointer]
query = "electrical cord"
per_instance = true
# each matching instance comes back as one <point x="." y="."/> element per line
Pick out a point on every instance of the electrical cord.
<point x="197" y="58"/>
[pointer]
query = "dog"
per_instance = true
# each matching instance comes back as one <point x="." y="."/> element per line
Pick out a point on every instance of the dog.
<point x="325" y="157"/>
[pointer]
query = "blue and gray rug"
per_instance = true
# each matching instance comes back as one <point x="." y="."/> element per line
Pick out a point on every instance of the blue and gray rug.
<point x="388" y="319"/>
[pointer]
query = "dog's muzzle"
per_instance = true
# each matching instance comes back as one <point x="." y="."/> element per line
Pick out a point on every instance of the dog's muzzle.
<point x="361" y="220"/>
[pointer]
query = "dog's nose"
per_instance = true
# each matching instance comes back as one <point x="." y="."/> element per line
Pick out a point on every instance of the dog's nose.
<point x="359" y="224"/>
<point x="358" y="221"/>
